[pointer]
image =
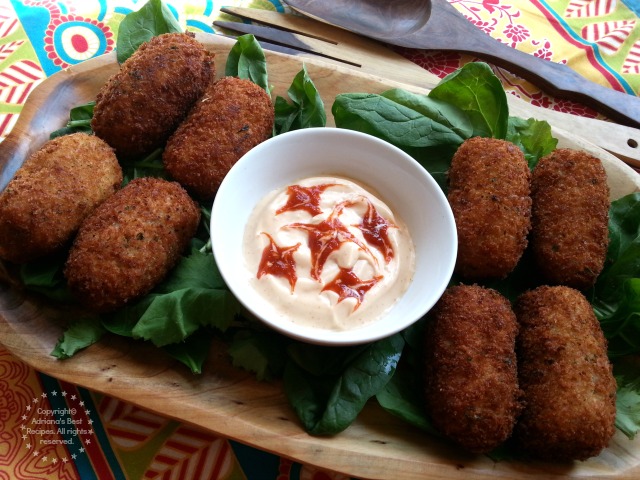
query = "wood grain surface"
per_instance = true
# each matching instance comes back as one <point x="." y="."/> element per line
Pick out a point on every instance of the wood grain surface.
<point x="226" y="400"/>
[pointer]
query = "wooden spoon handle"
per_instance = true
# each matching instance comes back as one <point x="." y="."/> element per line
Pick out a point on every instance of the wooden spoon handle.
<point x="448" y="30"/>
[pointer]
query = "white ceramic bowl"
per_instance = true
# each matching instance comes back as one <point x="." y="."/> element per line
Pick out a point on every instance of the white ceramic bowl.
<point x="405" y="186"/>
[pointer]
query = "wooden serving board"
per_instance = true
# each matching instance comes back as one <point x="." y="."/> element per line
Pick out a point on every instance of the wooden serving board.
<point x="229" y="401"/>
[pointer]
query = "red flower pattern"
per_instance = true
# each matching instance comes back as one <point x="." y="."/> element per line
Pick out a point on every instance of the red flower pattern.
<point x="516" y="33"/>
<point x="490" y="5"/>
<point x="487" y="27"/>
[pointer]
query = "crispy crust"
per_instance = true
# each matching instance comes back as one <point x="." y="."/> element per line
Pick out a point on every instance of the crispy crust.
<point x="489" y="187"/>
<point x="471" y="386"/>
<point x="140" y="106"/>
<point x="566" y="376"/>
<point x="52" y="193"/>
<point x="570" y="217"/>
<point x="130" y="243"/>
<point x="233" y="116"/>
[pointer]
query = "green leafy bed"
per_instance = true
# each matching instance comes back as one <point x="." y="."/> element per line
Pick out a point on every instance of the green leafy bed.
<point x="326" y="386"/>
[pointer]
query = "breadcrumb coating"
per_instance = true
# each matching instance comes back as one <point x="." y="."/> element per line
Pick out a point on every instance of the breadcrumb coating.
<point x="44" y="204"/>
<point x="570" y="217"/>
<point x="233" y="116"/>
<point x="489" y="193"/>
<point x="471" y="387"/>
<point x="129" y="244"/>
<point x="141" y="106"/>
<point x="566" y="376"/>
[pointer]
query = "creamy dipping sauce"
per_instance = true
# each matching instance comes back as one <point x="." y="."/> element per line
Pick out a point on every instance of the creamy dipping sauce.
<point x="327" y="253"/>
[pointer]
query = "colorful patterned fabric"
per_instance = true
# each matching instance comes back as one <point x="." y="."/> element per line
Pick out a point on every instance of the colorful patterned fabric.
<point x="51" y="429"/>
<point x="600" y="39"/>
<point x="55" y="430"/>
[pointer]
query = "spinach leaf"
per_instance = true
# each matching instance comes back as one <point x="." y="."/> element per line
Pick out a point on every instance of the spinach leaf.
<point x="82" y="333"/>
<point x="123" y="321"/>
<point x="172" y="317"/>
<point x="306" y="109"/>
<point x="623" y="259"/>
<point x="320" y="360"/>
<point x="394" y="122"/>
<point x="427" y="129"/>
<point x="403" y="396"/>
<point x="624" y="226"/>
<point x="327" y="404"/>
<point x="441" y="112"/>
<point x="628" y="396"/>
<point x="430" y="128"/>
<point x="193" y="352"/>
<point x="197" y="270"/>
<point x="259" y="351"/>
<point x="79" y="121"/>
<point x="246" y="60"/>
<point x="616" y="295"/>
<point x="45" y="276"/>
<point x="153" y="19"/>
<point x="150" y="166"/>
<point x="533" y="137"/>
<point x="475" y="90"/>
<point x="621" y="320"/>
<point x="193" y="296"/>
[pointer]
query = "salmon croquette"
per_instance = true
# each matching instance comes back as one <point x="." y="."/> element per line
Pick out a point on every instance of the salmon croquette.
<point x="44" y="204"/>
<point x="233" y="116"/>
<point x="566" y="376"/>
<point x="471" y="386"/>
<point x="140" y="106"/>
<point x="130" y="243"/>
<point x="489" y="194"/>
<point x="570" y="217"/>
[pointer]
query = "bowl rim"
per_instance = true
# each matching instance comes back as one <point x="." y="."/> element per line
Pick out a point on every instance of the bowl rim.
<point x="315" y="335"/>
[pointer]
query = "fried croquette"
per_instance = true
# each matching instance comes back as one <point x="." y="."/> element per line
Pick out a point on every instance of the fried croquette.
<point x="233" y="116"/>
<point x="489" y="193"/>
<point x="43" y="206"/>
<point x="141" y="106"/>
<point x="471" y="388"/>
<point x="130" y="243"/>
<point x="570" y="216"/>
<point x="566" y="376"/>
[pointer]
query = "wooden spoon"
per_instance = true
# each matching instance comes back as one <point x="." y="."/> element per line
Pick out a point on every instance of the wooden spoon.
<point x="436" y="25"/>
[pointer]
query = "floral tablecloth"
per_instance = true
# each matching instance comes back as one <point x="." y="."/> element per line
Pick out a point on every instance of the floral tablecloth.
<point x="97" y="436"/>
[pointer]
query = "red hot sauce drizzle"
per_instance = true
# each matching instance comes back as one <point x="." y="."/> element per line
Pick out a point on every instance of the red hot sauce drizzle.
<point x="278" y="261"/>
<point x="375" y="229"/>
<point x="304" y="198"/>
<point x="326" y="237"/>
<point x="347" y="285"/>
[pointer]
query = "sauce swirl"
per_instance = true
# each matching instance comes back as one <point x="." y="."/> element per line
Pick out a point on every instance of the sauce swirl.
<point x="328" y="253"/>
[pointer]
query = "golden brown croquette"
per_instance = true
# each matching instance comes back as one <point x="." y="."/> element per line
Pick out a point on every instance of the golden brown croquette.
<point x="43" y="206"/>
<point x="140" y="106"/>
<point x="471" y="387"/>
<point x="489" y="193"/>
<point x="570" y="216"/>
<point x="233" y="116"/>
<point x="130" y="243"/>
<point x="566" y="376"/>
